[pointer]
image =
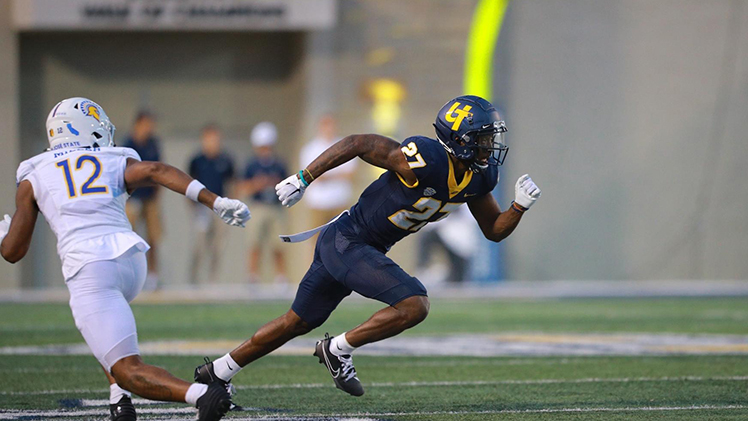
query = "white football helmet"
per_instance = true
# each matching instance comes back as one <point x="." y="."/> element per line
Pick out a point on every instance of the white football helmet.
<point x="79" y="122"/>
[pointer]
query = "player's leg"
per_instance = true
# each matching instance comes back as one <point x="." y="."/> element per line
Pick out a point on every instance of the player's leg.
<point x="120" y="401"/>
<point x="99" y="296"/>
<point x="366" y="270"/>
<point x="215" y="241"/>
<point x="152" y="213"/>
<point x="389" y="321"/>
<point x="201" y="224"/>
<point x="317" y="296"/>
<point x="275" y="228"/>
<point x="257" y="239"/>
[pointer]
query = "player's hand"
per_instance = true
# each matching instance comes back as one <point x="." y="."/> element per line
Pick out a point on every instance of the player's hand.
<point x="4" y="227"/>
<point x="526" y="192"/>
<point x="232" y="211"/>
<point x="290" y="191"/>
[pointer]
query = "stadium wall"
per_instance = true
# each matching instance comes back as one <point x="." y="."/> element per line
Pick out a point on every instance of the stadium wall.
<point x="9" y="274"/>
<point x="628" y="114"/>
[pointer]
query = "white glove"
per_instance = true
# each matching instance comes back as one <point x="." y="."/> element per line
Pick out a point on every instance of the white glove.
<point x="526" y="192"/>
<point x="232" y="211"/>
<point x="4" y="227"/>
<point x="290" y="191"/>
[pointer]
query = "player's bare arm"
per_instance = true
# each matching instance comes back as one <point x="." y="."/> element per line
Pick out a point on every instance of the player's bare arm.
<point x="494" y="224"/>
<point x="16" y="243"/>
<point x="146" y="173"/>
<point x="497" y="225"/>
<point x="377" y="150"/>
<point x="143" y="174"/>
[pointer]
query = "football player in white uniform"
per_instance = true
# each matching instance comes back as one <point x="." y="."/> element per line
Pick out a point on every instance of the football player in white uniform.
<point x="80" y="185"/>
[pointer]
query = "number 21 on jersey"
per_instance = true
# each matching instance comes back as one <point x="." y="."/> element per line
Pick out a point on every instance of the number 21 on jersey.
<point x="427" y="207"/>
<point x="87" y="187"/>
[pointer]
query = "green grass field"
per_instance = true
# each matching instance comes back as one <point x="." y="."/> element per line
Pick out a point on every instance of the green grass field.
<point x="517" y="387"/>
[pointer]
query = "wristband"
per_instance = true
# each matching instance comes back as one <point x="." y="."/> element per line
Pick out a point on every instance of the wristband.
<point x="309" y="173"/>
<point x="301" y="178"/>
<point x="518" y="208"/>
<point x="193" y="190"/>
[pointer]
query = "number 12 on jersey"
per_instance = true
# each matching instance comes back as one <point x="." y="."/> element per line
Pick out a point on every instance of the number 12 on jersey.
<point x="427" y="207"/>
<point x="87" y="188"/>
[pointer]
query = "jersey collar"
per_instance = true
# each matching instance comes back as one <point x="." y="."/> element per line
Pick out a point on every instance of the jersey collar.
<point x="454" y="188"/>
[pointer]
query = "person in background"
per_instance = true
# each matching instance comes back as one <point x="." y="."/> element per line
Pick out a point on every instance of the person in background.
<point x="144" y="204"/>
<point x="215" y="169"/>
<point x="457" y="236"/>
<point x="262" y="173"/>
<point x="333" y="192"/>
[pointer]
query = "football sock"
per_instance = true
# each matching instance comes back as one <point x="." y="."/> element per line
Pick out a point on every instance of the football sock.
<point x="194" y="392"/>
<point x="116" y="393"/>
<point x="225" y="367"/>
<point x="340" y="346"/>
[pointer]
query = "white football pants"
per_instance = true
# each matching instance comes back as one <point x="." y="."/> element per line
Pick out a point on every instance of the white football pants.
<point x="99" y="297"/>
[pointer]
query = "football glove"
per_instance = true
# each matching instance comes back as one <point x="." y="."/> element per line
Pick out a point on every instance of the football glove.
<point x="526" y="192"/>
<point x="4" y="227"/>
<point x="232" y="211"/>
<point x="290" y="191"/>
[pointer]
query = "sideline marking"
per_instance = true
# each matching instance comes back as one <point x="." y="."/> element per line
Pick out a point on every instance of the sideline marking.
<point x="438" y="383"/>
<point x="502" y="382"/>
<point x="17" y="414"/>
<point x="470" y="345"/>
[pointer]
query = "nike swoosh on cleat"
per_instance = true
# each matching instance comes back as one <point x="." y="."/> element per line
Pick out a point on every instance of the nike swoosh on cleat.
<point x="336" y="372"/>
<point x="228" y="365"/>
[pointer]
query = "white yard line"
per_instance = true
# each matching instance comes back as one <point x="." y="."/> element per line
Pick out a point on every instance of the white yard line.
<point x="501" y="382"/>
<point x="11" y="415"/>
<point x="435" y="384"/>
<point x="515" y="344"/>
<point x="455" y="363"/>
<point x="54" y="392"/>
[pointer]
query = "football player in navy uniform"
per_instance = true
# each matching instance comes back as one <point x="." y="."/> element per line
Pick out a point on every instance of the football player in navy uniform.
<point x="426" y="179"/>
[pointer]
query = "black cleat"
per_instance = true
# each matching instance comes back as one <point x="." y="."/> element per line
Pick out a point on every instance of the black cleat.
<point x="214" y="404"/>
<point x="205" y="374"/>
<point x="123" y="410"/>
<point x="341" y="368"/>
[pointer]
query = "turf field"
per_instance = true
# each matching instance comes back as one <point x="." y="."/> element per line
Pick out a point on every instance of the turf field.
<point x="551" y="359"/>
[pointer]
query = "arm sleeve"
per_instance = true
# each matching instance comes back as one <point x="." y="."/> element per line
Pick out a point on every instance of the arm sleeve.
<point x="24" y="171"/>
<point x="130" y="153"/>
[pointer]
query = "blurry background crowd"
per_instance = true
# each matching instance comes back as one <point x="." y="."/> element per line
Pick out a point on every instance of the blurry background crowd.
<point x="628" y="114"/>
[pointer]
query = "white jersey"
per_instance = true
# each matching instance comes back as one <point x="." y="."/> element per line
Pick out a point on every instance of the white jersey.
<point x="81" y="192"/>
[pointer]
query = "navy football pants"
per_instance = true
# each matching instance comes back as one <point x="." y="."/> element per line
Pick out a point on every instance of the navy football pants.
<point x="341" y="265"/>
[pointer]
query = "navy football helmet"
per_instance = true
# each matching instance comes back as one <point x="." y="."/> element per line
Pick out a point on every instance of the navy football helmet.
<point x="471" y="129"/>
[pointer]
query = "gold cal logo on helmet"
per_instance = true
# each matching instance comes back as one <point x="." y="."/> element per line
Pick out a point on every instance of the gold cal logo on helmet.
<point x="456" y="120"/>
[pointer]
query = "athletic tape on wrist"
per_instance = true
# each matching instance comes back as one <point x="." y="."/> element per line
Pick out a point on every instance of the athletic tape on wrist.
<point x="193" y="190"/>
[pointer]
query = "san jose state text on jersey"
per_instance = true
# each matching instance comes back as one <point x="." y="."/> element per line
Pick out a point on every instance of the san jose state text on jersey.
<point x="390" y="209"/>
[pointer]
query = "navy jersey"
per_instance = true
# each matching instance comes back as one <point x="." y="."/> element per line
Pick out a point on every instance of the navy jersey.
<point x="212" y="172"/>
<point x="390" y="209"/>
<point x="148" y="151"/>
